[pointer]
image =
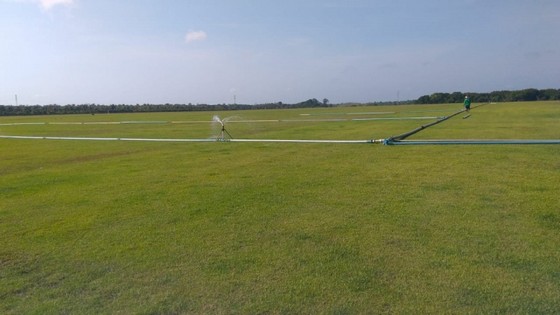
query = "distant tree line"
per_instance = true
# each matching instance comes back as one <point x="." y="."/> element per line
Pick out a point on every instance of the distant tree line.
<point x="93" y="109"/>
<point x="496" y="96"/>
<point x="436" y="98"/>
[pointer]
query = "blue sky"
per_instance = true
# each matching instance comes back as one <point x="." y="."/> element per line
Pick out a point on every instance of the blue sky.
<point x="207" y="51"/>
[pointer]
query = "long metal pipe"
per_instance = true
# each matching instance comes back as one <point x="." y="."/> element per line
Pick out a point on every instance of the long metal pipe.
<point x="192" y="140"/>
<point x="410" y="133"/>
<point x="471" y="142"/>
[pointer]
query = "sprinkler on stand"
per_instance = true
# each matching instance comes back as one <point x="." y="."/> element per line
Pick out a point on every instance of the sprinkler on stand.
<point x="224" y="134"/>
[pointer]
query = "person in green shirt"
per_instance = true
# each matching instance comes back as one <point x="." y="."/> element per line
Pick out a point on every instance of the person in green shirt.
<point x="467" y="103"/>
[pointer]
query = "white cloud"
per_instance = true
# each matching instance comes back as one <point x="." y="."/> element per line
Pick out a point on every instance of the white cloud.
<point x="193" y="36"/>
<point x="47" y="4"/>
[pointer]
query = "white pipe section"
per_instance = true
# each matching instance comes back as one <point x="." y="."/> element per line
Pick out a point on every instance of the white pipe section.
<point x="191" y="140"/>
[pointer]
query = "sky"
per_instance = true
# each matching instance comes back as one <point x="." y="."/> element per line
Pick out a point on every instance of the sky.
<point x="267" y="51"/>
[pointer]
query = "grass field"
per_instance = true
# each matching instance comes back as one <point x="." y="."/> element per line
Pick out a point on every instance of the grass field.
<point x="104" y="227"/>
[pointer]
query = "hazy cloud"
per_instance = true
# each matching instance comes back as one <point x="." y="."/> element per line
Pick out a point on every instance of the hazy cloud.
<point x="193" y="36"/>
<point x="47" y="4"/>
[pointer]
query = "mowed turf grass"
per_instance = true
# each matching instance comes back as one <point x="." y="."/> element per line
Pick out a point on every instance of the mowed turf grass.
<point x="223" y="227"/>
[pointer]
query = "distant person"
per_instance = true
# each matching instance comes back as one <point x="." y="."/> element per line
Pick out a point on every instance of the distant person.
<point x="467" y="103"/>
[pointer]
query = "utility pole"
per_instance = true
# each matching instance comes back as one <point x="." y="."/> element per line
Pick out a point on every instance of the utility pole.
<point x="16" y="101"/>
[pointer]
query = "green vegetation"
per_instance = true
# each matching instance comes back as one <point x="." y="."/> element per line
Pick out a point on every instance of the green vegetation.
<point x="55" y="109"/>
<point x="526" y="95"/>
<point x="146" y="227"/>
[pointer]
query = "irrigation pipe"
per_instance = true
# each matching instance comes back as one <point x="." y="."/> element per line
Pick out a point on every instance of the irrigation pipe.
<point x="410" y="133"/>
<point x="307" y="141"/>
<point x="395" y="140"/>
<point x="106" y="139"/>
<point x="440" y="120"/>
<point x="388" y="141"/>
<point x="470" y="142"/>
<point x="192" y="140"/>
<point x="400" y="139"/>
<point x="155" y="122"/>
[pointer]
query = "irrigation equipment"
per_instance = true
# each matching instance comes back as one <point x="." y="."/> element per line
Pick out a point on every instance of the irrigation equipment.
<point x="223" y="132"/>
<point x="191" y="140"/>
<point x="470" y="141"/>
<point x="410" y="133"/>
<point x="225" y="136"/>
<point x="400" y="139"/>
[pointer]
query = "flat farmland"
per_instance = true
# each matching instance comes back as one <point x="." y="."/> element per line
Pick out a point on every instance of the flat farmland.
<point x="334" y="228"/>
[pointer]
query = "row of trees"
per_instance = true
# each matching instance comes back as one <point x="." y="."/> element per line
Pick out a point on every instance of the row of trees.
<point x="436" y="98"/>
<point x="496" y="96"/>
<point x="142" y="108"/>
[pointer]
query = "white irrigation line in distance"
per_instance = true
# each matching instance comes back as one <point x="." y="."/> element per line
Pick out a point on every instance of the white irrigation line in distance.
<point x="23" y="124"/>
<point x="211" y="121"/>
<point x="362" y="113"/>
<point x="191" y="140"/>
<point x="66" y="123"/>
<point x="102" y="123"/>
<point x="145" y="122"/>
<point x="156" y="122"/>
<point x="399" y="118"/>
<point x="372" y="113"/>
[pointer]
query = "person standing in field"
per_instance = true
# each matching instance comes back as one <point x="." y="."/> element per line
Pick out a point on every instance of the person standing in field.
<point x="467" y="103"/>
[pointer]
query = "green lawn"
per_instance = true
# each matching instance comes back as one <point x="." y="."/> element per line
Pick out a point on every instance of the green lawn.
<point x="142" y="227"/>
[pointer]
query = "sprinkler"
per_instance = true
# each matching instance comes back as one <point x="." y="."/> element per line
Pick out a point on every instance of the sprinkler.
<point x="224" y="132"/>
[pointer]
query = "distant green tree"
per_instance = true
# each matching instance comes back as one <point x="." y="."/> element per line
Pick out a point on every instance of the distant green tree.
<point x="498" y="96"/>
<point x="456" y="97"/>
<point x="439" y="98"/>
<point x="424" y="99"/>
<point x="549" y="94"/>
<point x="526" y="95"/>
<point x="481" y="98"/>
